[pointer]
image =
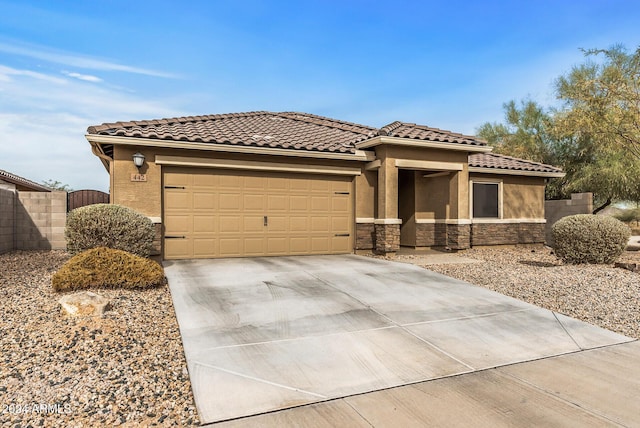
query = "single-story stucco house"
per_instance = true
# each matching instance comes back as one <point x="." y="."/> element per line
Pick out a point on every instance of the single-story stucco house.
<point x="263" y="183"/>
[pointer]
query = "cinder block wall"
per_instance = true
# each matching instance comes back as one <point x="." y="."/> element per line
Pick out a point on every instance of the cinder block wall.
<point x="580" y="203"/>
<point x="40" y="220"/>
<point x="7" y="217"/>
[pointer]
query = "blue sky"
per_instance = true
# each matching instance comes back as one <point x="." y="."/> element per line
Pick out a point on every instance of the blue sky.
<point x="66" y="65"/>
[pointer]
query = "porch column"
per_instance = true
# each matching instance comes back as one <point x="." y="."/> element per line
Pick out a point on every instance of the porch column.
<point x="458" y="223"/>
<point x="387" y="225"/>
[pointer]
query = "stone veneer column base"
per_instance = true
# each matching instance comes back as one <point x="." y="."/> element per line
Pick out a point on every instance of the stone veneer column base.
<point x="365" y="236"/>
<point x="387" y="238"/>
<point x="458" y="236"/>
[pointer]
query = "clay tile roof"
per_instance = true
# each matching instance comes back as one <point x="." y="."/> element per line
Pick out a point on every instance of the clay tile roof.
<point x="421" y="132"/>
<point x="496" y="161"/>
<point x="288" y="130"/>
<point x="22" y="183"/>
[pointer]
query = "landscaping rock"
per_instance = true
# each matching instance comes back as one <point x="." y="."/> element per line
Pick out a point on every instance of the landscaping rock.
<point x="104" y="371"/>
<point x="633" y="267"/>
<point x="84" y="303"/>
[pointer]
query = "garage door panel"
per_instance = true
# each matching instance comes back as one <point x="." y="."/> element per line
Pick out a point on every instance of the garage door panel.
<point x="319" y="224"/>
<point x="320" y="186"/>
<point x="178" y="248"/>
<point x="340" y="224"/>
<point x="229" y="182"/>
<point x="205" y="201"/>
<point x="177" y="224"/>
<point x="177" y="200"/>
<point x="176" y="179"/>
<point x="277" y="184"/>
<point x="320" y="204"/>
<point x="340" y="205"/>
<point x="298" y="184"/>
<point x="255" y="183"/>
<point x="299" y="245"/>
<point x="277" y="245"/>
<point x="204" y="224"/>
<point x="253" y="223"/>
<point x="230" y="247"/>
<point x="320" y="244"/>
<point x="205" y="180"/>
<point x="254" y="246"/>
<point x="298" y="203"/>
<point x="229" y="202"/>
<point x="230" y="224"/>
<point x="254" y="202"/>
<point x="221" y="213"/>
<point x="298" y="224"/>
<point x="277" y="203"/>
<point x="277" y="224"/>
<point x="202" y="247"/>
<point x="340" y="244"/>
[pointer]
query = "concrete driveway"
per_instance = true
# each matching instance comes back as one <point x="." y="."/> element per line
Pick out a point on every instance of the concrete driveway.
<point x="265" y="334"/>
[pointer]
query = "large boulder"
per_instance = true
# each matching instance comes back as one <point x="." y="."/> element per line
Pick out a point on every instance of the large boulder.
<point x="84" y="303"/>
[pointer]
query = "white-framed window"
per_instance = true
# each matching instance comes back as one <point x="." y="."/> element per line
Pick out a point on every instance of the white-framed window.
<point x="486" y="199"/>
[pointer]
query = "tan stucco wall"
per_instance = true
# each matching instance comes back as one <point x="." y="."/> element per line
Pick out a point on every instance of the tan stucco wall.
<point x="144" y="197"/>
<point x="522" y="197"/>
<point x="365" y="196"/>
<point x="432" y="197"/>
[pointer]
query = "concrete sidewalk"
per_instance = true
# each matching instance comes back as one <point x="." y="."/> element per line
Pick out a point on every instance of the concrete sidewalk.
<point x="593" y="388"/>
<point x="267" y="334"/>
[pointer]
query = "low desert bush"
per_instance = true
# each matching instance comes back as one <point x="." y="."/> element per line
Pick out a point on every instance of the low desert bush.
<point x="106" y="225"/>
<point x="628" y="215"/>
<point x="587" y="238"/>
<point x="107" y="268"/>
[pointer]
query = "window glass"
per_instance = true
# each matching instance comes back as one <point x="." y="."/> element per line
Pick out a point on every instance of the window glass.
<point x="485" y="200"/>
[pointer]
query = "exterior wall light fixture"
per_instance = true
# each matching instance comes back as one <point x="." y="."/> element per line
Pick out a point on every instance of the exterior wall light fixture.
<point x="138" y="159"/>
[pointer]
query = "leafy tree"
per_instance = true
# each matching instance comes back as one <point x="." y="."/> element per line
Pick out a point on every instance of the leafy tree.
<point x="529" y="133"/>
<point x="610" y="175"/>
<point x="56" y="185"/>
<point x="594" y="138"/>
<point x="602" y="100"/>
<point x="524" y="135"/>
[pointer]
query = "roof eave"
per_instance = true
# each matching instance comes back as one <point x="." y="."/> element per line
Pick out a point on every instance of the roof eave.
<point x="376" y="141"/>
<point x="359" y="155"/>
<point x="24" y="183"/>
<point x="504" y="171"/>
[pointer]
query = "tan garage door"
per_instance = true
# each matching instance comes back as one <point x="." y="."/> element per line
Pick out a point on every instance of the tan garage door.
<point x="224" y="213"/>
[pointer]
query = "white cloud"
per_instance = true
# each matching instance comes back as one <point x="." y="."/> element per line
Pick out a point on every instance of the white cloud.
<point x="85" y="77"/>
<point x="74" y="60"/>
<point x="7" y="72"/>
<point x="43" y="120"/>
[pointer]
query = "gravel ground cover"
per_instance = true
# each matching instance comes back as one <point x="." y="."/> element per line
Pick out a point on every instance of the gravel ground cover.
<point x="125" y="369"/>
<point x="128" y="368"/>
<point x="602" y="295"/>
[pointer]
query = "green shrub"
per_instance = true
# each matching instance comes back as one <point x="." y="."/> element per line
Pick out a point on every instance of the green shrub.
<point x="587" y="238"/>
<point x="113" y="226"/>
<point x="107" y="268"/>
<point x="628" y="215"/>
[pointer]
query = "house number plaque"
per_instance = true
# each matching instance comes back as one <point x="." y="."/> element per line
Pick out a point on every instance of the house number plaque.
<point x="138" y="177"/>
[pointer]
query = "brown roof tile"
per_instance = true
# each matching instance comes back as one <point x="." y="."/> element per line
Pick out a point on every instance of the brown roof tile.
<point x="286" y="130"/>
<point x="22" y="182"/>
<point x="497" y="161"/>
<point x="289" y="130"/>
<point x="421" y="132"/>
